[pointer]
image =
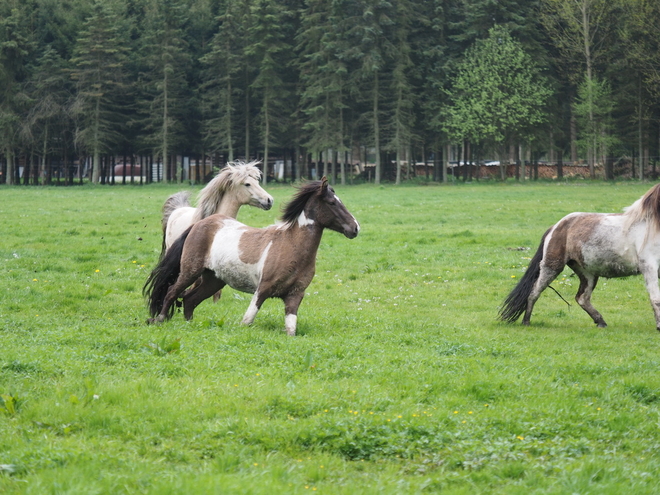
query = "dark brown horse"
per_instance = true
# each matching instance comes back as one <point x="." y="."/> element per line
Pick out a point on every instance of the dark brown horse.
<point x="276" y="261"/>
<point x="594" y="245"/>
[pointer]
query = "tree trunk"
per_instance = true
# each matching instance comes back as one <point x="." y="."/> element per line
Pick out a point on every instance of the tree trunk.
<point x="264" y="178"/>
<point x="640" y="129"/>
<point x="247" y="114"/>
<point x="376" y="125"/>
<point x="230" y="138"/>
<point x="573" y="132"/>
<point x="445" y="160"/>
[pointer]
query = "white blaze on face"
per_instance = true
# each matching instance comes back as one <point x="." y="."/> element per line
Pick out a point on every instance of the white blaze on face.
<point x="225" y="261"/>
<point x="352" y="216"/>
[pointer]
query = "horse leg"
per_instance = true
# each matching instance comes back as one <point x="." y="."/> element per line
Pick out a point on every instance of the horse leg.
<point x="175" y="290"/>
<point x="650" y="272"/>
<point x="291" y="304"/>
<point x="588" y="283"/>
<point x="205" y="287"/>
<point x="192" y="287"/>
<point x="546" y="276"/>
<point x="253" y="308"/>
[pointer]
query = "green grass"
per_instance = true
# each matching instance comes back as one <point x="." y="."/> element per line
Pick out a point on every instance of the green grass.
<point x="401" y="379"/>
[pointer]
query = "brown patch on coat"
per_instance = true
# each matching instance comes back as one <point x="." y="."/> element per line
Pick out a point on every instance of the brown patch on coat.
<point x="287" y="270"/>
<point x="252" y="243"/>
<point x="567" y="238"/>
<point x="199" y="241"/>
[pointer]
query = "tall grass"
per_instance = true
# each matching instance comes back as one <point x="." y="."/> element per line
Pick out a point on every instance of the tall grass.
<point x="401" y="379"/>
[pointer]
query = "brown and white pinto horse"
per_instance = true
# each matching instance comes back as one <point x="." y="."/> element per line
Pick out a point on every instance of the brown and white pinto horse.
<point x="594" y="245"/>
<point x="235" y="185"/>
<point x="276" y="261"/>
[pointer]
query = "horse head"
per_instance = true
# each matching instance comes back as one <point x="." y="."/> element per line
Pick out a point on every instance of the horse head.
<point x="243" y="180"/>
<point x="331" y="213"/>
<point x="235" y="185"/>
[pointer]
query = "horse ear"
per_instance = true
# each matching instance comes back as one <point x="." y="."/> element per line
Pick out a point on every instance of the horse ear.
<point x="324" y="184"/>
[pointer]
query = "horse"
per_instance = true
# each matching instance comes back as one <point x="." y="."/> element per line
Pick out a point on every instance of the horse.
<point x="278" y="261"/>
<point x="235" y="185"/>
<point x="594" y="245"/>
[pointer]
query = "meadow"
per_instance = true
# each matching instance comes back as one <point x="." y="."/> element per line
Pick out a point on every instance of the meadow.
<point x="401" y="379"/>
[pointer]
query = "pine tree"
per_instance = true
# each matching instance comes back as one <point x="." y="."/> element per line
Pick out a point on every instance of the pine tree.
<point x="15" y="47"/>
<point x="163" y="82"/>
<point x="48" y="122"/>
<point x="324" y="73"/>
<point x="99" y="58"/>
<point x="269" y="49"/>
<point x="401" y="116"/>
<point x="581" y="29"/>
<point x="371" y="45"/>
<point x="222" y="65"/>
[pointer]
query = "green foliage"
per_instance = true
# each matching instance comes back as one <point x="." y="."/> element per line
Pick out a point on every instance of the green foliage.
<point x="593" y="108"/>
<point x="165" y="347"/>
<point x="163" y="83"/>
<point x="498" y="93"/>
<point x="98" y="60"/>
<point x="9" y="404"/>
<point x="401" y="380"/>
<point x="249" y="78"/>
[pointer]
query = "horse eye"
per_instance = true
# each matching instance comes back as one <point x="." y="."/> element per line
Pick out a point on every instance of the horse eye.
<point x="247" y="184"/>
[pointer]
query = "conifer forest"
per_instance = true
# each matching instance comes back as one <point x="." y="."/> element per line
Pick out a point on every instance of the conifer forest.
<point x="370" y="90"/>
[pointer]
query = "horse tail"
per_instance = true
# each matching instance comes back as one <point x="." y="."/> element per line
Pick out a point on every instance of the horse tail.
<point x="516" y="302"/>
<point x="163" y="276"/>
<point x="174" y="202"/>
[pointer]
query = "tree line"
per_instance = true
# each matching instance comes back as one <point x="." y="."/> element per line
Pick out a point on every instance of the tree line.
<point x="327" y="84"/>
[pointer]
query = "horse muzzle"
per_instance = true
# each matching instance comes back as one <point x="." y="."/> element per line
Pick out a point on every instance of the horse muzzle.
<point x="265" y="204"/>
<point x="351" y="231"/>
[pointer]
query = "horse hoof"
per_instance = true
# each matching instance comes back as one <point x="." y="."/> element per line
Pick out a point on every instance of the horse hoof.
<point x="602" y="325"/>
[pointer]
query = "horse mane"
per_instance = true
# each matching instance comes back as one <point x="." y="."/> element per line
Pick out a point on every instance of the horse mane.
<point x="296" y="205"/>
<point x="645" y="209"/>
<point x="233" y="174"/>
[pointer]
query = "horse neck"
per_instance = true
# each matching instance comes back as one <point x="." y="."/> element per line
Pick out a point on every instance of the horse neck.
<point x="227" y="205"/>
<point x="306" y="240"/>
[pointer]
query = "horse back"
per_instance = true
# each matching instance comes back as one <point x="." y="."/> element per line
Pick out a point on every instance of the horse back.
<point x="599" y="243"/>
<point x="177" y="223"/>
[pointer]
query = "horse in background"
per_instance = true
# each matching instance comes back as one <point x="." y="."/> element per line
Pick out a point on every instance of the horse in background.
<point x="276" y="261"/>
<point x="235" y="185"/>
<point x="594" y="245"/>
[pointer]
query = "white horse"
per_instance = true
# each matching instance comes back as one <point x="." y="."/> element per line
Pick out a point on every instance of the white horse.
<point x="594" y="245"/>
<point x="235" y="185"/>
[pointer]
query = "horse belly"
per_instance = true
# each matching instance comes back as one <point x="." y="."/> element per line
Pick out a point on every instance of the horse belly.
<point x="611" y="256"/>
<point x="226" y="263"/>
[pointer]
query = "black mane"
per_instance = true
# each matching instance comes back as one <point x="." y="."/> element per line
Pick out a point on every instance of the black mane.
<point x="295" y="207"/>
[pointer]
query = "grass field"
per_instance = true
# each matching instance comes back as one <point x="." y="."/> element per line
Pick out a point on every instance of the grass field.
<point x="401" y="379"/>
